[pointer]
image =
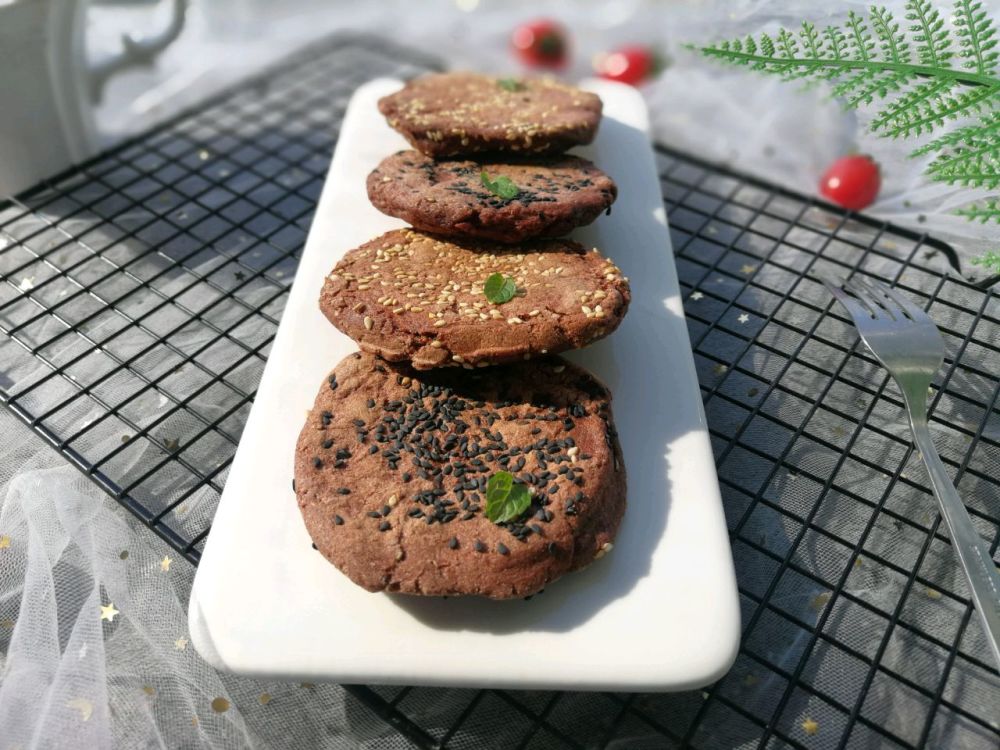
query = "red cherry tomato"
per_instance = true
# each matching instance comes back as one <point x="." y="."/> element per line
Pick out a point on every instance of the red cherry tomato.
<point x="540" y="43"/>
<point x="852" y="182"/>
<point x="631" y="64"/>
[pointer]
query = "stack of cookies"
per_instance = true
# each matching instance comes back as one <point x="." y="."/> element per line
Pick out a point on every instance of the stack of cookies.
<point x="456" y="454"/>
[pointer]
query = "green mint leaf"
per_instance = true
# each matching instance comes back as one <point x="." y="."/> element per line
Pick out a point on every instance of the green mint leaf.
<point x="505" y="500"/>
<point x="501" y="186"/>
<point x="499" y="289"/>
<point x="510" y="84"/>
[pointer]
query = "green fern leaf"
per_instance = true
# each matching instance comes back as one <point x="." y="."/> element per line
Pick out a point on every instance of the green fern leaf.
<point x="893" y="42"/>
<point x="986" y="131"/>
<point x="990" y="261"/>
<point x="976" y="37"/>
<point x="919" y="96"/>
<point x="861" y="40"/>
<point x="933" y="41"/>
<point x="923" y="76"/>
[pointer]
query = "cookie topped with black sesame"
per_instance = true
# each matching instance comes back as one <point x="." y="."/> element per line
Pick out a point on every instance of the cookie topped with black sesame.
<point x="410" y="296"/>
<point x="396" y="475"/>
<point x="444" y="114"/>
<point x="506" y="201"/>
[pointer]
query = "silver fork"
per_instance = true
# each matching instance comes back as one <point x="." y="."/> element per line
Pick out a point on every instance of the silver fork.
<point x="908" y="344"/>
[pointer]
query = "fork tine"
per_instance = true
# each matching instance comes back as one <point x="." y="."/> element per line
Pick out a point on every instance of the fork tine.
<point x="879" y="292"/>
<point x="854" y="307"/>
<point x="864" y="297"/>
<point x="911" y="308"/>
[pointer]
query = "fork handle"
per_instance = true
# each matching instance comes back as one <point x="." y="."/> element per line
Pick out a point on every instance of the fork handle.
<point x="971" y="548"/>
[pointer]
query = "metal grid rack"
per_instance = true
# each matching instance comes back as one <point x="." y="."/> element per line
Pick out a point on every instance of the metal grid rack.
<point x="139" y="294"/>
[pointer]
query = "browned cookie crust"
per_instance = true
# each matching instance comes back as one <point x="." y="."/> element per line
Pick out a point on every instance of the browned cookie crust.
<point x="412" y="296"/>
<point x="444" y="114"/>
<point x="392" y="464"/>
<point x="556" y="194"/>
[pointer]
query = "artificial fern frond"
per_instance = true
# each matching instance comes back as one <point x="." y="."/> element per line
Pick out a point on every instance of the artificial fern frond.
<point x="976" y="36"/>
<point x="933" y="44"/>
<point x="990" y="261"/>
<point x="923" y="75"/>
<point x="988" y="211"/>
<point x="986" y="131"/>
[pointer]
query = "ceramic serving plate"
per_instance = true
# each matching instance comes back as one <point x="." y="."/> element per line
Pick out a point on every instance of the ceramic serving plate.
<point x="660" y="612"/>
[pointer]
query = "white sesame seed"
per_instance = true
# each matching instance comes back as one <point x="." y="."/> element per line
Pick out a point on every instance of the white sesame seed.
<point x="368" y="323"/>
<point x="457" y="358"/>
<point x="439" y="323"/>
<point x="436" y="344"/>
<point x="558" y="368"/>
<point x="392" y="501"/>
<point x="514" y="321"/>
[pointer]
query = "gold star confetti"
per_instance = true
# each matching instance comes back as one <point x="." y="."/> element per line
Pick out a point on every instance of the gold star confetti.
<point x="108" y="612"/>
<point x="697" y="296"/>
<point x="180" y="644"/>
<point x="82" y="653"/>
<point x="743" y="318"/>
<point x="220" y="705"/>
<point x="819" y="601"/>
<point x="171" y="444"/>
<point x="932" y="593"/>
<point x="123" y="554"/>
<point x="264" y="699"/>
<point x="307" y="685"/>
<point x="85" y="707"/>
<point x="4" y="542"/>
<point x="750" y="680"/>
<point x="27" y="283"/>
<point x="7" y="623"/>
<point x="747" y="269"/>
<point x="165" y="564"/>
<point x="720" y="369"/>
<point x="149" y="690"/>
<point x="194" y="721"/>
<point x="810" y="727"/>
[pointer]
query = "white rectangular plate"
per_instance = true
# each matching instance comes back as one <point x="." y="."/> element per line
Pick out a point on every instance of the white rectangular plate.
<point x="658" y="613"/>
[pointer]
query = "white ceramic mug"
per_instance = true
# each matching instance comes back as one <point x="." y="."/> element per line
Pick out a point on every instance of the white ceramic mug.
<point x="48" y="87"/>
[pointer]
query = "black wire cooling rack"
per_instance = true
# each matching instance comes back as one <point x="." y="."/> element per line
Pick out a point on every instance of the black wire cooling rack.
<point x="140" y="292"/>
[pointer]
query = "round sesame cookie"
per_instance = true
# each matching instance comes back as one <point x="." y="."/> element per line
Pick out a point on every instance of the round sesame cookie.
<point x="554" y="195"/>
<point x="412" y="296"/>
<point x="444" y="114"/>
<point x="392" y="465"/>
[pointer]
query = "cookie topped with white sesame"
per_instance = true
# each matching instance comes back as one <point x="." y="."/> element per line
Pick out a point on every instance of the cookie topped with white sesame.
<point x="444" y="114"/>
<point x="397" y="474"/>
<point x="410" y="296"/>
<point x="507" y="201"/>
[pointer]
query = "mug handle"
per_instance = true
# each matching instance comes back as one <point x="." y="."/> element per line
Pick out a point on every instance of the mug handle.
<point x="136" y="52"/>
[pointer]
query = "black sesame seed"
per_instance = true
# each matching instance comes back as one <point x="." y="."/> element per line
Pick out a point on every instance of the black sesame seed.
<point x="453" y="543"/>
<point x="314" y="546"/>
<point x="384" y="526"/>
<point x="317" y="462"/>
<point x="480" y="547"/>
<point x="502" y="548"/>
<point x="327" y="443"/>
<point x="386" y="510"/>
<point x="552" y="548"/>
<point x="338" y="520"/>
<point x="536" y="528"/>
<point x="373" y="514"/>
<point x="343" y="491"/>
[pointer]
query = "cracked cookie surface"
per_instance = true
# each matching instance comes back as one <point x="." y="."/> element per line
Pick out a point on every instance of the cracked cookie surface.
<point x="392" y="464"/>
<point x="444" y="114"/>
<point x="555" y="195"/>
<point x="410" y="296"/>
